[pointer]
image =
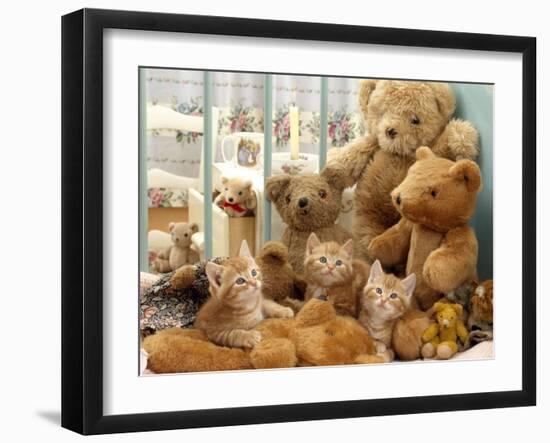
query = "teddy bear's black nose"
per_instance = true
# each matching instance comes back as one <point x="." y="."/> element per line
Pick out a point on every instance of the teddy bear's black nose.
<point x="302" y="202"/>
<point x="230" y="199"/>
<point x="391" y="132"/>
<point x="398" y="199"/>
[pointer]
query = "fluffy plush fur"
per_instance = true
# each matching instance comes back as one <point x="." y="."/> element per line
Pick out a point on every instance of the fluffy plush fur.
<point x="440" y="338"/>
<point x="330" y="271"/>
<point x="181" y="252"/>
<point x="308" y="203"/>
<point x="383" y="301"/>
<point x="481" y="308"/>
<point x="400" y="116"/>
<point x="436" y="200"/>
<point x="316" y="336"/>
<point x="237" y="198"/>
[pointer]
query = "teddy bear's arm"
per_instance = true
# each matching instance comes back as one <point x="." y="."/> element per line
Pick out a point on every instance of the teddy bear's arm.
<point x="430" y="333"/>
<point x="251" y="201"/>
<point x="453" y="262"/>
<point x="165" y="254"/>
<point x="219" y="200"/>
<point x="461" y="331"/>
<point x="459" y="140"/>
<point x="392" y="246"/>
<point x="346" y="166"/>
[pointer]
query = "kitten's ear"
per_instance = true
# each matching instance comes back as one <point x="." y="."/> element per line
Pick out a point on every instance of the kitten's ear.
<point x="409" y="284"/>
<point x="375" y="271"/>
<point x="348" y="248"/>
<point x="214" y="273"/>
<point x="244" y="251"/>
<point x="312" y="243"/>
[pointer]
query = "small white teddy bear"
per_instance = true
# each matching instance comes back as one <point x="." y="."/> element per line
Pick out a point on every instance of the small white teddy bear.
<point x="237" y="197"/>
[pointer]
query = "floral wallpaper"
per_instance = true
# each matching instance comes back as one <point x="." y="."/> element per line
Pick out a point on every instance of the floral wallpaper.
<point x="239" y="96"/>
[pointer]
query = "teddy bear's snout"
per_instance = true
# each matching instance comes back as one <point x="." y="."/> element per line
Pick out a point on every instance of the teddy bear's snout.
<point x="302" y="203"/>
<point x="391" y="133"/>
<point x="230" y="199"/>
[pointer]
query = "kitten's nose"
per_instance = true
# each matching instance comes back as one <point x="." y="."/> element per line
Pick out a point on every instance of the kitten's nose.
<point x="303" y="202"/>
<point x="330" y="267"/>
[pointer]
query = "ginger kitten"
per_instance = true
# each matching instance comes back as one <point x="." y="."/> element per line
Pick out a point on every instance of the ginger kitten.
<point x="330" y="271"/>
<point x="236" y="304"/>
<point x="383" y="301"/>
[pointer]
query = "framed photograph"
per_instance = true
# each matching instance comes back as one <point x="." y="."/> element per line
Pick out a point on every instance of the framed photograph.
<point x="271" y="221"/>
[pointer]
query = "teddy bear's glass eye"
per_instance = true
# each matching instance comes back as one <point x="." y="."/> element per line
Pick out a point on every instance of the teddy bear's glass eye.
<point x="322" y="193"/>
<point x="415" y="120"/>
<point x="240" y="281"/>
<point x="379" y="290"/>
<point x="240" y="192"/>
<point x="434" y="193"/>
<point x="338" y="263"/>
<point x="393" y="295"/>
<point x="323" y="259"/>
<point x="287" y="198"/>
<point x="186" y="235"/>
<point x="254" y="273"/>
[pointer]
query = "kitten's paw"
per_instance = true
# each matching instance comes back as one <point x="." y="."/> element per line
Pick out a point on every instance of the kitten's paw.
<point x="286" y="313"/>
<point x="252" y="339"/>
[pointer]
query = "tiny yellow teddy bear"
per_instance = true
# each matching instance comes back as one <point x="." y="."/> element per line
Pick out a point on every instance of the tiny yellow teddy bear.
<point x="440" y="338"/>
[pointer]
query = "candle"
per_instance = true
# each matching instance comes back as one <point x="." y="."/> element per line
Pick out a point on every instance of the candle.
<point x="294" y="117"/>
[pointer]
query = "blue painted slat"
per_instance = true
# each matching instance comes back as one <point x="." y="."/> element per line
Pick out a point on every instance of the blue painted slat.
<point x="323" y="125"/>
<point x="268" y="131"/>
<point x="207" y="160"/>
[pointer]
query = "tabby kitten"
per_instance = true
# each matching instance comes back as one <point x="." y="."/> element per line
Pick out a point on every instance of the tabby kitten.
<point x="383" y="301"/>
<point x="236" y="304"/>
<point x="330" y="271"/>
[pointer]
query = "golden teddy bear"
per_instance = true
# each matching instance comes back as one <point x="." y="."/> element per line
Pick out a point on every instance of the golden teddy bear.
<point x="440" y="338"/>
<point x="317" y="336"/>
<point x="400" y="116"/>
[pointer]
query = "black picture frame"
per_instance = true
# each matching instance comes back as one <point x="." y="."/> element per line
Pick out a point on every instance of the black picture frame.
<point x="82" y="218"/>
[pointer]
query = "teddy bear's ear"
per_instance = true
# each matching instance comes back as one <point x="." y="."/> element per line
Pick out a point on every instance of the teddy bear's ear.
<point x="244" y="251"/>
<point x="409" y="283"/>
<point x="424" y="152"/>
<point x="224" y="180"/>
<point x="214" y="273"/>
<point x="334" y="177"/>
<point x="312" y="243"/>
<point x="348" y="248"/>
<point x="275" y="185"/>
<point x="375" y="271"/>
<point x="194" y="227"/>
<point x="468" y="171"/>
<point x="248" y="184"/>
<point x="365" y="90"/>
<point x="171" y="226"/>
<point x="438" y="307"/>
<point x="444" y="98"/>
<point x="457" y="308"/>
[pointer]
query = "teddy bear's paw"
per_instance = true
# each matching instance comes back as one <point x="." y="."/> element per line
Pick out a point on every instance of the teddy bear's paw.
<point x="379" y="249"/>
<point x="437" y="274"/>
<point x="428" y="351"/>
<point x="444" y="351"/>
<point x="252" y="339"/>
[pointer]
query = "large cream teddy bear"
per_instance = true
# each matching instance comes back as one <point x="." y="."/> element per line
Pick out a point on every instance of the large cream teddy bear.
<point x="400" y="116"/>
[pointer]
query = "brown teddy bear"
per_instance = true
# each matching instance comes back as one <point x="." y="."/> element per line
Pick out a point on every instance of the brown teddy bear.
<point x="436" y="200"/>
<point x="237" y="198"/>
<point x="307" y="203"/>
<point x="315" y="337"/>
<point x="400" y="116"/>
<point x="181" y="252"/>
